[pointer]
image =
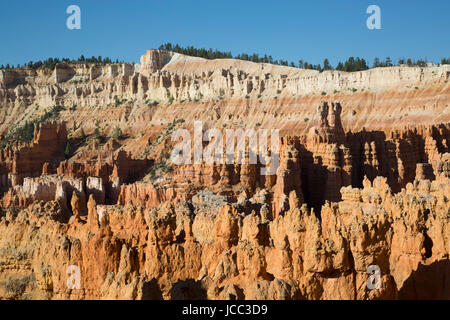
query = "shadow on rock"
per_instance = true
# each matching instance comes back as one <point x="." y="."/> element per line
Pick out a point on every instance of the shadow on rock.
<point x="429" y="282"/>
<point x="188" y="290"/>
<point x="151" y="290"/>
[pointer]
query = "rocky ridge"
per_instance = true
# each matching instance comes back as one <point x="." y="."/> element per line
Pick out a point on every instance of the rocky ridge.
<point x="363" y="181"/>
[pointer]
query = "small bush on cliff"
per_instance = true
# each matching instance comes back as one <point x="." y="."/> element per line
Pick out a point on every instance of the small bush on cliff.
<point x="97" y="133"/>
<point x="117" y="133"/>
<point x="83" y="135"/>
<point x="67" y="151"/>
<point x="118" y="102"/>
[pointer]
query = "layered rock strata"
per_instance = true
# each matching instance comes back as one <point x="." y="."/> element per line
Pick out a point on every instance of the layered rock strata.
<point x="362" y="182"/>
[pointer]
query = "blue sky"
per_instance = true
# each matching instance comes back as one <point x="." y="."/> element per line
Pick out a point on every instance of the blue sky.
<point x="290" y="30"/>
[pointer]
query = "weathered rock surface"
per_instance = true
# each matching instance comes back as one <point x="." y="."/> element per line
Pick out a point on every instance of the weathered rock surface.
<point x="121" y="250"/>
<point x="362" y="182"/>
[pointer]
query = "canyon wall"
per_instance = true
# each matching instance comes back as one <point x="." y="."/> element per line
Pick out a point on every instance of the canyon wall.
<point x="363" y="179"/>
<point x="210" y="249"/>
<point x="27" y="160"/>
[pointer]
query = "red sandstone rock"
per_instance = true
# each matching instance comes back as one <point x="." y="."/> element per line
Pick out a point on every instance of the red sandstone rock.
<point x="343" y="198"/>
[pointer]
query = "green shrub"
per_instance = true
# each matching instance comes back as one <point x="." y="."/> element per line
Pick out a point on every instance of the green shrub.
<point x="116" y="101"/>
<point x="117" y="133"/>
<point x="67" y="151"/>
<point x="83" y="134"/>
<point x="97" y="132"/>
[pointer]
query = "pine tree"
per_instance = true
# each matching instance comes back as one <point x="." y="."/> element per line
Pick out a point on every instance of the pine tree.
<point x="67" y="151"/>
<point x="388" y="62"/>
<point x="326" y="65"/>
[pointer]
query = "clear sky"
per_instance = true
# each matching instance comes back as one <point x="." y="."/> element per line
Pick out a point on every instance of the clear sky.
<point x="291" y="30"/>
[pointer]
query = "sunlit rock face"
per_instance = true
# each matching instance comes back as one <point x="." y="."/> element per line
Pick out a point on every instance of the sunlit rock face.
<point x="362" y="182"/>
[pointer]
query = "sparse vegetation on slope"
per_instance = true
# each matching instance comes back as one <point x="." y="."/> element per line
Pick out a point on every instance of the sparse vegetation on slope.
<point x="24" y="133"/>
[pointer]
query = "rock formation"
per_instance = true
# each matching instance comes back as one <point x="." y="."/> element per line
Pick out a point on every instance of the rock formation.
<point x="362" y="182"/>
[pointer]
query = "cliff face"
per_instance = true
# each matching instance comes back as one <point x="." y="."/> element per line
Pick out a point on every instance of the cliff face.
<point x="20" y="161"/>
<point x="361" y="182"/>
<point x="230" y="90"/>
<point x="211" y="249"/>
